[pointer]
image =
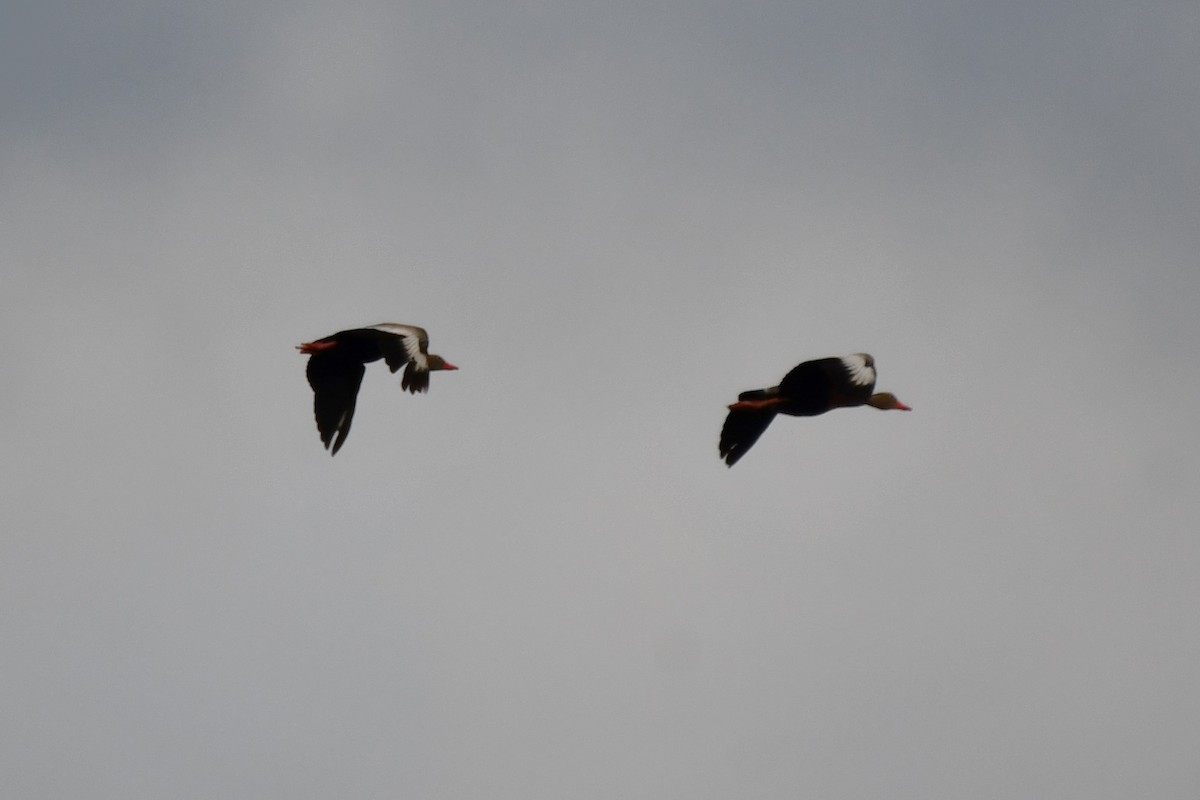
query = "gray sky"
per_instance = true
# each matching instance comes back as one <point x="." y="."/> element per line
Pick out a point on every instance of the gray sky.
<point x="539" y="580"/>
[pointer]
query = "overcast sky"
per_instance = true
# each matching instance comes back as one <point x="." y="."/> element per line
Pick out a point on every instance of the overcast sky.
<point x="539" y="580"/>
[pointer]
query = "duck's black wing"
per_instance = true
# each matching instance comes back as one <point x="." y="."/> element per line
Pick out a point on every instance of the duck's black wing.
<point x="335" y="382"/>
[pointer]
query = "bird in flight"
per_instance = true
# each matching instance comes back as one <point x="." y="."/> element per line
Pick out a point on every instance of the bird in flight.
<point x="812" y="388"/>
<point x="336" y="365"/>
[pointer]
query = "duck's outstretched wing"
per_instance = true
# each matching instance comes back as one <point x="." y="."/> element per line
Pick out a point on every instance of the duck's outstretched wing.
<point x="335" y="383"/>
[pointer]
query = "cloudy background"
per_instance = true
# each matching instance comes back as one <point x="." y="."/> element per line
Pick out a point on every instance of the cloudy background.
<point x="538" y="580"/>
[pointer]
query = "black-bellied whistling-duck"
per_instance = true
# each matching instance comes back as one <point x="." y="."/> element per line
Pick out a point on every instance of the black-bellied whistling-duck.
<point x="337" y="363"/>
<point x="812" y="388"/>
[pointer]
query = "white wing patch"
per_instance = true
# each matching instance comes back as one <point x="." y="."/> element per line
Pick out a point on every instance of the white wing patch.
<point x="412" y="336"/>
<point x="860" y="369"/>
